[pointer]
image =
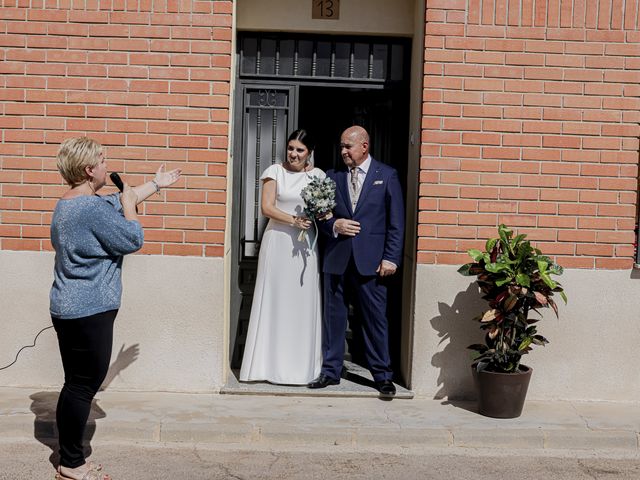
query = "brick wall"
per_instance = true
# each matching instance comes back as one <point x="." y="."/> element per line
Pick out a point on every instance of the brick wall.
<point x="530" y="118"/>
<point x="149" y="79"/>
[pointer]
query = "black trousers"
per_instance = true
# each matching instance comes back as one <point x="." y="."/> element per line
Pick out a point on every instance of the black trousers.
<point x="85" y="347"/>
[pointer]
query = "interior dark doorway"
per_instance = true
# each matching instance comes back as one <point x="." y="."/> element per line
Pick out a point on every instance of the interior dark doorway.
<point x="327" y="111"/>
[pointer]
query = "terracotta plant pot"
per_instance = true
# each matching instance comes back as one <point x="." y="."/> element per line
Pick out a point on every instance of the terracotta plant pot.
<point x="501" y="395"/>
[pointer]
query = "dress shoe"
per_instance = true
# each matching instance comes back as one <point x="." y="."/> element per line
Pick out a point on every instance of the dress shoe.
<point x="323" y="381"/>
<point x="386" y="388"/>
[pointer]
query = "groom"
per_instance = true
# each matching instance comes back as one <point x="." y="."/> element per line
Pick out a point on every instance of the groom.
<point x="364" y="245"/>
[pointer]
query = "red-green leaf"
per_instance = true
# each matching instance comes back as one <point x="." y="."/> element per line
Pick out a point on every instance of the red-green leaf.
<point x="542" y="299"/>
<point x="489" y="315"/>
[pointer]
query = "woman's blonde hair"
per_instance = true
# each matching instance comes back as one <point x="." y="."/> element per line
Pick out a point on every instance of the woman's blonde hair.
<point x="74" y="155"/>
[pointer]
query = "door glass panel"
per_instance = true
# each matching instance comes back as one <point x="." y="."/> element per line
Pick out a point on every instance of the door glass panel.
<point x="397" y="63"/>
<point x="267" y="57"/>
<point x="380" y="55"/>
<point x="342" y="59"/>
<point x="323" y="60"/>
<point x="304" y="58"/>
<point x="361" y="60"/>
<point x="286" y="57"/>
<point x="248" y="55"/>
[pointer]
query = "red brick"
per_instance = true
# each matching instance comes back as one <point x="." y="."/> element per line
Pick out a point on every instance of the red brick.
<point x="523" y="85"/>
<point x="519" y="193"/>
<point x="617" y="184"/>
<point x="560" y="141"/>
<point x="617" y="210"/>
<point x="595" y="250"/>
<point x="561" y="195"/>
<point x="598" y="196"/>
<point x="498" y="206"/>
<point x="458" y="205"/>
<point x="615" y="237"/>
<point x="478" y="219"/>
<point x="460" y="178"/>
<point x="578" y="182"/>
<point x="439" y="191"/>
<point x="580" y="128"/>
<point x="614" y="263"/>
<point x="536" y="207"/>
<point x="520" y="167"/>
<point x="479" y="165"/>
<point x="556" y="222"/>
<point x="539" y="181"/>
<point x="501" y="153"/>
<point x="581" y="156"/>
<point x="477" y="192"/>
<point x="601" y="143"/>
<point x="499" y="179"/>
<point x="523" y="113"/>
<point x="542" y="127"/>
<point x="562" y="114"/>
<point x="518" y="220"/>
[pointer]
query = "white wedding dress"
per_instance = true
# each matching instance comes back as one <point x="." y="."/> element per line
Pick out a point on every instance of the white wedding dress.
<point x="283" y="343"/>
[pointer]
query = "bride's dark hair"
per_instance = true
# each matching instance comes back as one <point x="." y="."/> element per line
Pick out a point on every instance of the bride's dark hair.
<point x="303" y="137"/>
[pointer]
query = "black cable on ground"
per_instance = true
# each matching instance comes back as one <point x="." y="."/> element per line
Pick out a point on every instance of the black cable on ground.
<point x="27" y="346"/>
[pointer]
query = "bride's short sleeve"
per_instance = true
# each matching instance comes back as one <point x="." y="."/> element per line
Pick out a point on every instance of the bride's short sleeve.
<point x="270" y="172"/>
<point x="319" y="173"/>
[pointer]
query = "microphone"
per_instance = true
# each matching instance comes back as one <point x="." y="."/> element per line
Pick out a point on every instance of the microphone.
<point x="117" y="181"/>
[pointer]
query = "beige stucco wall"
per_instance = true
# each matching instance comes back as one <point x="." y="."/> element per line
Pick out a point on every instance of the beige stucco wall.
<point x="171" y="314"/>
<point x="374" y="17"/>
<point x="592" y="354"/>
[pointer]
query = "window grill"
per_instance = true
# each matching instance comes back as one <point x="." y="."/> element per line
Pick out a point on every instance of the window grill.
<point x="350" y="59"/>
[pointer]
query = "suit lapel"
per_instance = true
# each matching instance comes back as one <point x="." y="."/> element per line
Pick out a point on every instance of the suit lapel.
<point x="372" y="174"/>
<point x="342" y="181"/>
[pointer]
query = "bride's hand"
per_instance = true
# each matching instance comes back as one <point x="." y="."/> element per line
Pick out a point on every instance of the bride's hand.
<point x="301" y="222"/>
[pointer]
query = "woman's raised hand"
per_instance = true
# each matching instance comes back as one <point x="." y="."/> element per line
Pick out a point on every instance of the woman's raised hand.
<point x="164" y="179"/>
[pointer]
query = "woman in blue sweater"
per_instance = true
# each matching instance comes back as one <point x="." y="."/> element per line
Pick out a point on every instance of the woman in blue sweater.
<point x="90" y="234"/>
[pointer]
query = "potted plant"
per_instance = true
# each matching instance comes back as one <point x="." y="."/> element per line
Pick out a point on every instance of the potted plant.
<point x="516" y="280"/>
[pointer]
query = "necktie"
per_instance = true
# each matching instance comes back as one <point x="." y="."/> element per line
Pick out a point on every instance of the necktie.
<point x="355" y="187"/>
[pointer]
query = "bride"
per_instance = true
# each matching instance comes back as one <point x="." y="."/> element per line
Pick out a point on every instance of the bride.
<point x="284" y="336"/>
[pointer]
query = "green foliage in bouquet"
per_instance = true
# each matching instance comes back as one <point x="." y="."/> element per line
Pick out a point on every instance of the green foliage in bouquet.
<point x="515" y="279"/>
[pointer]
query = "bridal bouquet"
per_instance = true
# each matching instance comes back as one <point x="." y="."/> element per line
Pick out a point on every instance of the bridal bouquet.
<point x="319" y="198"/>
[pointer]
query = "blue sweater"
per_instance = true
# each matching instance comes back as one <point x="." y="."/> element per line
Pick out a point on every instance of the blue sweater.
<point x="90" y="236"/>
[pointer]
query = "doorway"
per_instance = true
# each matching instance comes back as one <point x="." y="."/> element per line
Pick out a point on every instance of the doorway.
<point x="323" y="84"/>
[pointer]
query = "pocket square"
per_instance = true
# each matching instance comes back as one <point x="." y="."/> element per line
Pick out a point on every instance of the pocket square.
<point x="378" y="182"/>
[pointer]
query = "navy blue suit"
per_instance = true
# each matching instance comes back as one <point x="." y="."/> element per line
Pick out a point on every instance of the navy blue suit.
<point x="350" y="265"/>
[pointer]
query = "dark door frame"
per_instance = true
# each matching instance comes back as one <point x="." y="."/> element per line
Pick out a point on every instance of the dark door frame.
<point x="271" y="81"/>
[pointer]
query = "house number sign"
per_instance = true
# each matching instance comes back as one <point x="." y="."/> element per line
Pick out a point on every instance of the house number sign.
<point x="325" y="9"/>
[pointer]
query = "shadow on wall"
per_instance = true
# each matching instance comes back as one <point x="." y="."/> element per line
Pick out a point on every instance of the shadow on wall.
<point x="457" y="331"/>
<point x="43" y="406"/>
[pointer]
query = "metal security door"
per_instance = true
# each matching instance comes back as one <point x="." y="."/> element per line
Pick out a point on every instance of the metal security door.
<point x="268" y="114"/>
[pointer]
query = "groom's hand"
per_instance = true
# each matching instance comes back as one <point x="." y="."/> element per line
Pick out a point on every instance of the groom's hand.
<point x="386" y="268"/>
<point x="344" y="226"/>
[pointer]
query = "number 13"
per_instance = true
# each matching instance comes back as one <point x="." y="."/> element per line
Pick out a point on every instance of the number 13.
<point x="326" y="8"/>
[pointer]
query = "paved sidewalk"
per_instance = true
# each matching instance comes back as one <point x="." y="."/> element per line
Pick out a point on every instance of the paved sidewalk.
<point x="259" y="421"/>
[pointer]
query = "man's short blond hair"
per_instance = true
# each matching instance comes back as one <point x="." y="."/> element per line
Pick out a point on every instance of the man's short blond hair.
<point x="74" y="155"/>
